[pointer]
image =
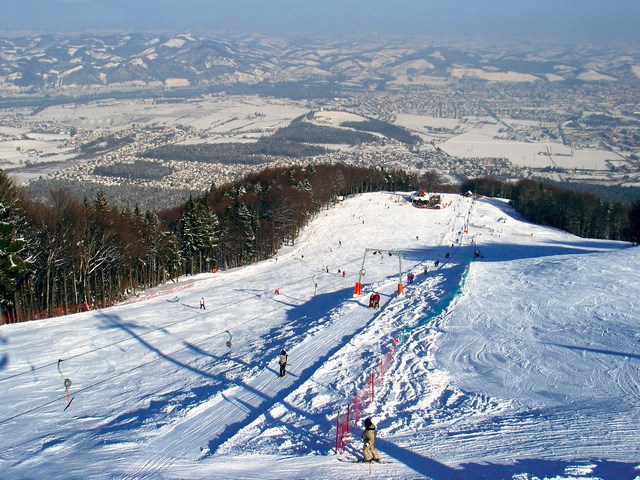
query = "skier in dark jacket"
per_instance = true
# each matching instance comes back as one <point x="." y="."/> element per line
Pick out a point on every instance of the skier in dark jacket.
<point x="368" y="439"/>
<point x="282" y="361"/>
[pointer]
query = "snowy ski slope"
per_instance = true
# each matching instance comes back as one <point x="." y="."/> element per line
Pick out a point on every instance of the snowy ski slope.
<point x="520" y="363"/>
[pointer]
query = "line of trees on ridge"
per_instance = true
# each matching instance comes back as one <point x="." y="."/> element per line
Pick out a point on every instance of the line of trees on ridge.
<point x="582" y="213"/>
<point x="76" y="254"/>
<point x="71" y="254"/>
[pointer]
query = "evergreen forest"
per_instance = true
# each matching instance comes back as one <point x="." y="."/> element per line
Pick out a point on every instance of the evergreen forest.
<point x="582" y="213"/>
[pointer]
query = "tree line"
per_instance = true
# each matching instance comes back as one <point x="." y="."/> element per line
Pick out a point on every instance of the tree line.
<point x="582" y="213"/>
<point x="74" y="254"/>
<point x="146" y="197"/>
<point x="70" y="254"/>
<point x="305" y="132"/>
<point x="387" y="129"/>
<point x="138" y="170"/>
<point x="296" y="140"/>
<point x="252" y="153"/>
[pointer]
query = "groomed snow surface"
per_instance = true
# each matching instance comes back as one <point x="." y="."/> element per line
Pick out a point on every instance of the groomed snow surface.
<point x="520" y="364"/>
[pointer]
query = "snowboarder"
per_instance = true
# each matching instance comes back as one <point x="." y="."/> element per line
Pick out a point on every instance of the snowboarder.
<point x="368" y="439"/>
<point x="202" y="307"/>
<point x="284" y="358"/>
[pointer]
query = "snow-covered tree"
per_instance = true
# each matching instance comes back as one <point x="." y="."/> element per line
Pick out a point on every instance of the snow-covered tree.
<point x="15" y="265"/>
<point x="198" y="231"/>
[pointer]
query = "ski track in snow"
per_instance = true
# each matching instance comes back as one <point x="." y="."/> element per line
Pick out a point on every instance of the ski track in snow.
<point x="517" y="363"/>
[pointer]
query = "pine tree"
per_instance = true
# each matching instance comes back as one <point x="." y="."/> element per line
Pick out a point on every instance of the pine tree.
<point x="198" y="231"/>
<point x="247" y="227"/>
<point x="207" y="231"/>
<point x="187" y="234"/>
<point x="634" y="223"/>
<point x="15" y="265"/>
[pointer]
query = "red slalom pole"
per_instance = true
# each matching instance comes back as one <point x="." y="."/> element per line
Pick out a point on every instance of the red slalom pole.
<point x="372" y="393"/>
<point x="337" y="430"/>
<point x="348" y="418"/>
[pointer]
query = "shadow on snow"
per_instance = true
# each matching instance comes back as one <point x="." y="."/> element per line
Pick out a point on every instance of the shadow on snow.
<point x="4" y="360"/>
<point x="597" y="350"/>
<point x="181" y="398"/>
<point x="532" y="467"/>
<point x="301" y="318"/>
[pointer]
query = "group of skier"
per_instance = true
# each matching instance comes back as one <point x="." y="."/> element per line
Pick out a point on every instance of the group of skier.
<point x="369" y="451"/>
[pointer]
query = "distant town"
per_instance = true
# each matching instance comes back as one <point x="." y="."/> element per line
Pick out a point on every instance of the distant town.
<point x="560" y="115"/>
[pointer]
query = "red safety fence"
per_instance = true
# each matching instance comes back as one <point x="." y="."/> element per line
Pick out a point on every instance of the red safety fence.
<point x="362" y="399"/>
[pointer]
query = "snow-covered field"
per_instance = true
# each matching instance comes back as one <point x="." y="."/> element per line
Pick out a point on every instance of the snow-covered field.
<point x="217" y="114"/>
<point x="217" y="119"/>
<point x="522" y="363"/>
<point x="478" y="137"/>
<point x="480" y="141"/>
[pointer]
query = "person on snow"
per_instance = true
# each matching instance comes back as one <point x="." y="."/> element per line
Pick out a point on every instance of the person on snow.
<point x="376" y="300"/>
<point x="202" y="307"/>
<point x="368" y="438"/>
<point x="372" y="300"/>
<point x="282" y="361"/>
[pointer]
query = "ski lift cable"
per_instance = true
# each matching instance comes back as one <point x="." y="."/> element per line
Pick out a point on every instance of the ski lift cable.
<point x="148" y="332"/>
<point x="161" y="327"/>
<point x="137" y="367"/>
<point x="130" y="370"/>
<point x="125" y="372"/>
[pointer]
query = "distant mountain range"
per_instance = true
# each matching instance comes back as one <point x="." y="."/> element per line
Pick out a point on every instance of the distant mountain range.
<point x="54" y="63"/>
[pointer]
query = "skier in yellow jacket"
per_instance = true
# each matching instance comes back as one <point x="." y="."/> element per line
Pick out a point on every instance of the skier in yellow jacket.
<point x="369" y="438"/>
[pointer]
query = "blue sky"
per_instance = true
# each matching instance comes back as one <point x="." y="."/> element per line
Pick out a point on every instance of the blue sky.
<point x="596" y="20"/>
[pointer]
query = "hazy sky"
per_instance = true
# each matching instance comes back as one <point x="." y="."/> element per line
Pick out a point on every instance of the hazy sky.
<point x="595" y="20"/>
